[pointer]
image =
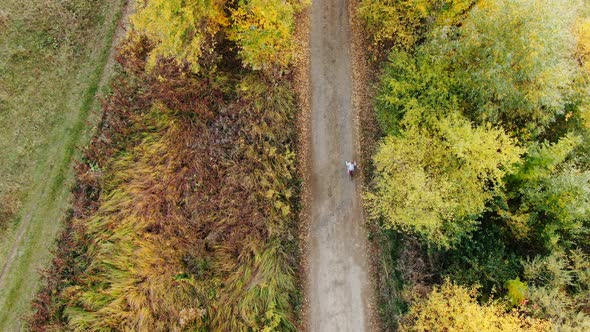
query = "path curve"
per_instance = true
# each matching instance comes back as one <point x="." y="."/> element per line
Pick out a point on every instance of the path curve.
<point x="339" y="283"/>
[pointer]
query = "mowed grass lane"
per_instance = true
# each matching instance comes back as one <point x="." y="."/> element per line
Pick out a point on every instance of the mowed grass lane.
<point x="52" y="59"/>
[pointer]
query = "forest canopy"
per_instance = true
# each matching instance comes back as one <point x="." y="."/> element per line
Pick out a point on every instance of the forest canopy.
<point x="484" y="159"/>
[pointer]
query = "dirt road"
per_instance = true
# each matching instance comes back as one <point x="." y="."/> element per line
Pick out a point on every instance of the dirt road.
<point x="339" y="287"/>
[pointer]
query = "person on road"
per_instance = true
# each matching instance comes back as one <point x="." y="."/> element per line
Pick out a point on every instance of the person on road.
<point x="350" y="167"/>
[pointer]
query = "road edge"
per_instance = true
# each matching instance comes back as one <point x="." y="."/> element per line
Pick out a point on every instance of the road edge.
<point x="302" y="80"/>
<point x="363" y="78"/>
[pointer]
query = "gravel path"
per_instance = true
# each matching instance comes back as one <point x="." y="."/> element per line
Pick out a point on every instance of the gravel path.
<point x="339" y="284"/>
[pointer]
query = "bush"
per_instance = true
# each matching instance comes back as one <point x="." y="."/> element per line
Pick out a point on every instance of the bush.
<point x="548" y="197"/>
<point x="560" y="287"/>
<point x="455" y="308"/>
<point x="517" y="291"/>
<point x="481" y="259"/>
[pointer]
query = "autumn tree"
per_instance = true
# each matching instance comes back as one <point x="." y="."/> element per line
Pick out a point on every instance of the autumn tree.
<point x="455" y="308"/>
<point x="404" y="23"/>
<point x="509" y="62"/>
<point x="516" y="60"/>
<point x="435" y="177"/>
<point x="181" y="29"/>
<point x="263" y="30"/>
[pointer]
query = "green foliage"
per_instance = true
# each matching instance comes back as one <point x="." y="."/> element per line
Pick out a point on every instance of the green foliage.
<point x="519" y="57"/>
<point x="561" y="284"/>
<point x="542" y="159"/>
<point x="564" y="199"/>
<point x="482" y="259"/>
<point x="549" y="196"/>
<point x="435" y="178"/>
<point x="517" y="291"/>
<point x="454" y="308"/>
<point x="509" y="62"/>
<point x="409" y="85"/>
<point x="182" y="29"/>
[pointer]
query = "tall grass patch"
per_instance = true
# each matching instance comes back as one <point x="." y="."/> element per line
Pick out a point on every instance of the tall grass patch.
<point x="186" y="206"/>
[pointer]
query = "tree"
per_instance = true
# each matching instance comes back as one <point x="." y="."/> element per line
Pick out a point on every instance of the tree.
<point x="517" y="60"/>
<point x="455" y="308"/>
<point x="263" y="30"/>
<point x="435" y="178"/>
<point x="549" y="196"/>
<point x="181" y="29"/>
<point x="510" y="62"/>
<point x="404" y="23"/>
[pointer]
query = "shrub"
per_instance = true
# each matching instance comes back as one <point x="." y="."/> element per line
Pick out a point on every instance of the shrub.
<point x="517" y="291"/>
<point x="484" y="259"/>
<point x="455" y="308"/>
<point x="560" y="287"/>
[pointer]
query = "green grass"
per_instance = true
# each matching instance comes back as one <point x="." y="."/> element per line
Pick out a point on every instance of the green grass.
<point x="52" y="58"/>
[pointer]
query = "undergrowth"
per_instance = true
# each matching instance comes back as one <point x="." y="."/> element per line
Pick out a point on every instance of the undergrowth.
<point x="185" y="207"/>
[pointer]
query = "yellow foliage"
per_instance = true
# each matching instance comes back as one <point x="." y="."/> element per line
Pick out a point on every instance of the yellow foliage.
<point x="455" y="308"/>
<point x="181" y="28"/>
<point x="432" y="180"/>
<point x="263" y="30"/>
<point x="583" y="33"/>
<point x="404" y="22"/>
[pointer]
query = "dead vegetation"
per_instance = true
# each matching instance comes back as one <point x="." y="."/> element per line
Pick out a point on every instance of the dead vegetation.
<point x="185" y="207"/>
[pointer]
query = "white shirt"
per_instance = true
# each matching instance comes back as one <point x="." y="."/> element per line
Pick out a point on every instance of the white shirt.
<point x="350" y="166"/>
